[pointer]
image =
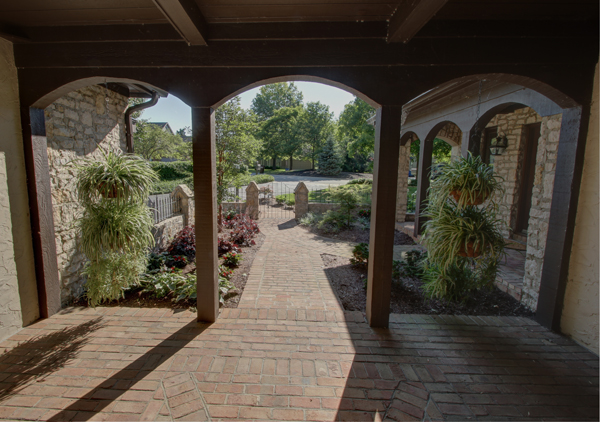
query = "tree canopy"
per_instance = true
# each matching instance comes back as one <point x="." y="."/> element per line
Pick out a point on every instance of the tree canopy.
<point x="355" y="135"/>
<point x="315" y="126"/>
<point x="272" y="97"/>
<point x="151" y="142"/>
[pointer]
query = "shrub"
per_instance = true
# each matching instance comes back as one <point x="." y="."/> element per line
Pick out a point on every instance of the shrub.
<point x="348" y="200"/>
<point x="229" y="215"/>
<point x="262" y="178"/>
<point x="329" y="159"/>
<point x="360" y="182"/>
<point x="162" y="283"/>
<point x="360" y="254"/>
<point x="225" y="246"/>
<point x="176" y="261"/>
<point x="332" y="221"/>
<point x="156" y="260"/>
<point x="243" y="230"/>
<point x="225" y="272"/>
<point x="310" y="219"/>
<point x="364" y="214"/>
<point x="232" y="259"/>
<point x="167" y="186"/>
<point x="184" y="243"/>
<point x="173" y="170"/>
<point x="290" y="202"/>
<point x="412" y="182"/>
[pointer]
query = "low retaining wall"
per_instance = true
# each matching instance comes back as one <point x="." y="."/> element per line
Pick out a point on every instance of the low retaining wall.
<point x="240" y="207"/>
<point x="166" y="230"/>
<point x="321" y="208"/>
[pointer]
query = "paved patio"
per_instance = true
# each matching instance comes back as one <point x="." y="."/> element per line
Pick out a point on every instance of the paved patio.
<point x="289" y="352"/>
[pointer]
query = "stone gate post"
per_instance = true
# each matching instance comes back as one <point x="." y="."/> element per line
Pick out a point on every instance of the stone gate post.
<point x="301" y="200"/>
<point x="252" y="200"/>
<point x="186" y="198"/>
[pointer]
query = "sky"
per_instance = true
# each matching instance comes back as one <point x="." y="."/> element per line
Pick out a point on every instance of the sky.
<point x="174" y="111"/>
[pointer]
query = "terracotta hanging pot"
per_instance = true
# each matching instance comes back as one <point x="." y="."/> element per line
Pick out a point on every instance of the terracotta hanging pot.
<point x="470" y="251"/>
<point x="479" y="199"/>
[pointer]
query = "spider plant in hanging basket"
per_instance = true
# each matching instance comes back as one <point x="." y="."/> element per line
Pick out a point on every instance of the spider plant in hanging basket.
<point x="469" y="181"/>
<point x="470" y="232"/>
<point x="120" y="177"/>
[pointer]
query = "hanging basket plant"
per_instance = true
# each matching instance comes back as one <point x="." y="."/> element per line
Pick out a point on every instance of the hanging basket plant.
<point x="469" y="181"/>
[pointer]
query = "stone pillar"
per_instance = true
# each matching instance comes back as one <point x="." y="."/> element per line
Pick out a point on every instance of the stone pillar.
<point x="402" y="190"/>
<point x="383" y="214"/>
<point x="205" y="185"/>
<point x="186" y="198"/>
<point x="301" y="200"/>
<point x="425" y="158"/>
<point x="252" y="200"/>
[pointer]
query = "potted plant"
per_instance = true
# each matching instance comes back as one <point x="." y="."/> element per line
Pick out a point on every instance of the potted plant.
<point x="463" y="238"/>
<point x="469" y="181"/>
<point x="116" y="226"/>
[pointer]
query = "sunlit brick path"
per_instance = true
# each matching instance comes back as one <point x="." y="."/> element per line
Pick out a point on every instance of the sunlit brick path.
<point x="288" y="274"/>
<point x="290" y="353"/>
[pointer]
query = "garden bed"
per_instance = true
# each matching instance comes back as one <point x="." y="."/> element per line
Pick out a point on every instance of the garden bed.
<point x="359" y="235"/>
<point x="349" y="282"/>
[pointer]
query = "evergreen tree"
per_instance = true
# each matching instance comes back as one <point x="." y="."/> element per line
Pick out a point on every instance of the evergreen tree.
<point x="329" y="159"/>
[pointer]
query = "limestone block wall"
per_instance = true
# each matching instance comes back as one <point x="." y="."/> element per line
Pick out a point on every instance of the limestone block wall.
<point x="11" y="144"/>
<point x="166" y="230"/>
<point x="402" y="190"/>
<point x="580" y="309"/>
<point x="509" y="166"/>
<point x="10" y="306"/>
<point x="79" y="125"/>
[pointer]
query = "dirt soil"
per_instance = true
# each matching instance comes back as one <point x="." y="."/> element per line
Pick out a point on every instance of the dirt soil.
<point x="359" y="235"/>
<point x="349" y="282"/>
<point x="135" y="298"/>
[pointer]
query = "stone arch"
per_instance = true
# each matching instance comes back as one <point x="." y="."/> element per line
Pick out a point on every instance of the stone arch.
<point x="300" y="78"/>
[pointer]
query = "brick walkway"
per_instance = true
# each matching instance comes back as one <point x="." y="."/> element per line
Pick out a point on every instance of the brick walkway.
<point x="290" y="353"/>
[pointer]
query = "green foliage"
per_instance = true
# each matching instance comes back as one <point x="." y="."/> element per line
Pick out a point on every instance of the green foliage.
<point x="116" y="227"/>
<point x="315" y="126"/>
<point x="311" y="219"/>
<point x="151" y="142"/>
<point x="290" y="202"/>
<point x="123" y="178"/>
<point x="280" y="134"/>
<point x="413" y="182"/>
<point x="262" y="178"/>
<point x="360" y="254"/>
<point x="273" y="97"/>
<point x="236" y="147"/>
<point x="329" y="159"/>
<point x="168" y="186"/>
<point x="348" y="200"/>
<point x="464" y="242"/>
<point x="355" y="135"/>
<point x="162" y="282"/>
<point x="173" y="170"/>
<point x="441" y="150"/>
<point x="360" y="182"/>
<point x="232" y="259"/>
<point x="470" y="176"/>
<point x="411" y="200"/>
<point x="332" y="221"/>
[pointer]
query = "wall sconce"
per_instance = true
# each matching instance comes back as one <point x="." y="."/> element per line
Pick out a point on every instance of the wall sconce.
<point x="498" y="145"/>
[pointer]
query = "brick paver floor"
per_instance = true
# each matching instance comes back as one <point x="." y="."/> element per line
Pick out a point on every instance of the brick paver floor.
<point x="291" y="353"/>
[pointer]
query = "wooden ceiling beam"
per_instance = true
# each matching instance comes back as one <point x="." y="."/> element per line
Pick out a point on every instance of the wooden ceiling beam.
<point x="186" y="18"/>
<point x="13" y="33"/>
<point x="410" y="16"/>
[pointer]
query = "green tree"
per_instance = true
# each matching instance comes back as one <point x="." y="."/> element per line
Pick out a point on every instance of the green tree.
<point x="236" y="147"/>
<point x="273" y="97"/>
<point x="355" y="135"/>
<point x="441" y="150"/>
<point x="153" y="143"/>
<point x="329" y="159"/>
<point x="315" y="126"/>
<point x="280" y="134"/>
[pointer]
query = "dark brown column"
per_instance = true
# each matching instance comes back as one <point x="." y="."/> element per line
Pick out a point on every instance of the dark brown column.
<point x="563" y="210"/>
<point x="383" y="215"/>
<point x="424" y="170"/>
<point x="40" y="205"/>
<point x="205" y="194"/>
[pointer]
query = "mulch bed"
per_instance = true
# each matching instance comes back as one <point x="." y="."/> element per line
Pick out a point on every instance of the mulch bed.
<point x="349" y="282"/>
<point x="135" y="298"/>
<point x="359" y="235"/>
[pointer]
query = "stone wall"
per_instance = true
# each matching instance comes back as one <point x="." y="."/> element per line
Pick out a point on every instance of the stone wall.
<point x="11" y="144"/>
<point x="166" y="230"/>
<point x="402" y="189"/>
<point x="77" y="126"/>
<point x="509" y="166"/>
<point x="580" y="309"/>
<point x="321" y="208"/>
<point x="10" y="306"/>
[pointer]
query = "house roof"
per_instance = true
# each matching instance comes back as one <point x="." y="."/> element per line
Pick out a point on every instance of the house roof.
<point x="163" y="125"/>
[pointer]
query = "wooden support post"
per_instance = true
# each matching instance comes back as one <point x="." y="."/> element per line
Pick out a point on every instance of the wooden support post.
<point x="563" y="211"/>
<point x="383" y="214"/>
<point x="205" y="193"/>
<point x="40" y="204"/>
<point x="424" y="173"/>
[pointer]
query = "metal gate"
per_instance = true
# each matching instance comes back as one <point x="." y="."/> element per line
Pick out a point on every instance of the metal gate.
<point x="276" y="200"/>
